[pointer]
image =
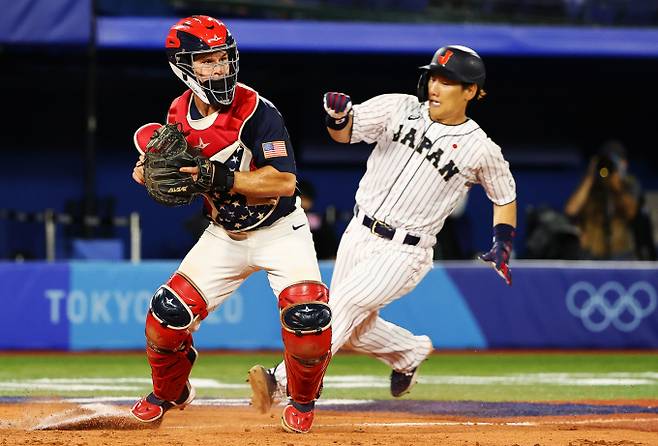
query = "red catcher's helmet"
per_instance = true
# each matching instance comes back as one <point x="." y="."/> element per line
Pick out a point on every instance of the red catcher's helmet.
<point x="202" y="34"/>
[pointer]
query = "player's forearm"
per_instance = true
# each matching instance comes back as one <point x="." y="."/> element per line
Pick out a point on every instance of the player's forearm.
<point x="342" y="135"/>
<point x="505" y="214"/>
<point x="265" y="182"/>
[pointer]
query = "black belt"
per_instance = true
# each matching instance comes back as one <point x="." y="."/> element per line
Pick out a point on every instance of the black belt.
<point x="381" y="229"/>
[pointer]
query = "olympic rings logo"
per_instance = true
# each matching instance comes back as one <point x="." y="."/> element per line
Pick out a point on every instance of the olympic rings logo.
<point x="611" y="304"/>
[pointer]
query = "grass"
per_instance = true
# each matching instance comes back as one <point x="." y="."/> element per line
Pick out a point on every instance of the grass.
<point x="232" y="368"/>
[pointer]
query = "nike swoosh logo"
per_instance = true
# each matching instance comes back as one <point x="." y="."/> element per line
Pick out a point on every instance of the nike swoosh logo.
<point x="294" y="228"/>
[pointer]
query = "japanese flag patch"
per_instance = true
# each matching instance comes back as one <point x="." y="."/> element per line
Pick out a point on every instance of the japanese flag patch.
<point x="274" y="149"/>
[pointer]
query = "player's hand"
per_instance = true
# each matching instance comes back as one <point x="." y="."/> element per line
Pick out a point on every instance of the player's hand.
<point x="337" y="105"/>
<point x="194" y="171"/>
<point x="210" y="176"/>
<point x="138" y="170"/>
<point x="498" y="257"/>
<point x="499" y="254"/>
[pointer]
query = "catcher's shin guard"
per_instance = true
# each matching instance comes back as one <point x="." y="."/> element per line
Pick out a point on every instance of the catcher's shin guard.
<point x="306" y="332"/>
<point x="176" y="310"/>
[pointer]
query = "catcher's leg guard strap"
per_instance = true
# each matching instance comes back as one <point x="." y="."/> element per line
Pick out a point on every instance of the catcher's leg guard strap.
<point x="306" y="332"/>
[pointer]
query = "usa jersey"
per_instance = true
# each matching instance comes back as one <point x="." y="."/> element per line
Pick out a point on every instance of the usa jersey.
<point x="246" y="136"/>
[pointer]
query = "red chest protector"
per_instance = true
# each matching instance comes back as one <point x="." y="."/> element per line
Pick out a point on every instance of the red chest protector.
<point x="214" y="136"/>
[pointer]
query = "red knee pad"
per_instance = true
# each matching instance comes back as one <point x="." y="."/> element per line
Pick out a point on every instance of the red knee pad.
<point x="176" y="309"/>
<point x="189" y="294"/>
<point x="306" y="333"/>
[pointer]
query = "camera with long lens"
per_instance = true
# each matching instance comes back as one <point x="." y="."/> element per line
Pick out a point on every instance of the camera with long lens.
<point x="606" y="166"/>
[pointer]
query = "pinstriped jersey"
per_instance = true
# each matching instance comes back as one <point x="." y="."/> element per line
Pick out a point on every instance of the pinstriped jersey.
<point x="419" y="169"/>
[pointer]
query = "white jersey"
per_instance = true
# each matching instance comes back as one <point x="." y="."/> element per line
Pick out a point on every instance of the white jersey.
<point x="416" y="175"/>
<point x="419" y="169"/>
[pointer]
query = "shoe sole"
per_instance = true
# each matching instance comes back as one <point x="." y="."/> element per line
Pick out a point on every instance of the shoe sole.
<point x="414" y="378"/>
<point x="260" y="398"/>
<point x="411" y="385"/>
<point x="290" y="429"/>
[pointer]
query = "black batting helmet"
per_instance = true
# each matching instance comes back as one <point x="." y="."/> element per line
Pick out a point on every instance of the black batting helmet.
<point x="456" y="62"/>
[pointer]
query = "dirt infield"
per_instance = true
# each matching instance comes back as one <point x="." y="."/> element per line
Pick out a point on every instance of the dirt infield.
<point x="63" y="424"/>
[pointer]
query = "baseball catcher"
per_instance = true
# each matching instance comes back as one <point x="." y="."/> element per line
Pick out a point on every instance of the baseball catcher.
<point x="166" y="157"/>
<point x="229" y="145"/>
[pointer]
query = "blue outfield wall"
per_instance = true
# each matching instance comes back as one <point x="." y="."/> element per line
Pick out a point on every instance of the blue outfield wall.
<point x="96" y="306"/>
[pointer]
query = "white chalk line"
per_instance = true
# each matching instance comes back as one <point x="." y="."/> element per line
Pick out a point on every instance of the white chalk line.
<point x="135" y="384"/>
<point x="220" y="402"/>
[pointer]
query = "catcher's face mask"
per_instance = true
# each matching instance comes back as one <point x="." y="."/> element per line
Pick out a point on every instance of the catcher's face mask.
<point x="204" y="55"/>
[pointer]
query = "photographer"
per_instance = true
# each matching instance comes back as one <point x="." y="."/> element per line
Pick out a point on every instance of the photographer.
<point x="605" y="206"/>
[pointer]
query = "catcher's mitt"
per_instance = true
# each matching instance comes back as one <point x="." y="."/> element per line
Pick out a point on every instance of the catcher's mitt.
<point x="166" y="152"/>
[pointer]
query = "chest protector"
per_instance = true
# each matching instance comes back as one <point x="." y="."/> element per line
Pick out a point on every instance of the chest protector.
<point x="227" y="127"/>
<point x="219" y="140"/>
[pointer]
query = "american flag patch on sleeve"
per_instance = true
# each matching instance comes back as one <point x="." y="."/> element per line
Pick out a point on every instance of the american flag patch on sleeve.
<point x="274" y="149"/>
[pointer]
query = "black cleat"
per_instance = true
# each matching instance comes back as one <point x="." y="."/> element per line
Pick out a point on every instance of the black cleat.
<point x="402" y="383"/>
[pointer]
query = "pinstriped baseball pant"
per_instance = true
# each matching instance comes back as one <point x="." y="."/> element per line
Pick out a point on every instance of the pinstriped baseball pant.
<point x="370" y="273"/>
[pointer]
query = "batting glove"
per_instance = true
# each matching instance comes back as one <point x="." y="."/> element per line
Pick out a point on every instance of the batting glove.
<point x="337" y="106"/>
<point x="499" y="254"/>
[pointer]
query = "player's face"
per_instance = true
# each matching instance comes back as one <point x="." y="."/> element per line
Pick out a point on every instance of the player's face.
<point x="211" y="66"/>
<point x="448" y="99"/>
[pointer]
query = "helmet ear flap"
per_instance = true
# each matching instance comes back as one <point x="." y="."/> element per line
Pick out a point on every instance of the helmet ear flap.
<point x="421" y="90"/>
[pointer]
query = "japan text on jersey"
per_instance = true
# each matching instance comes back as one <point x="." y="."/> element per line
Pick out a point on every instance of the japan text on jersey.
<point x="420" y="169"/>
